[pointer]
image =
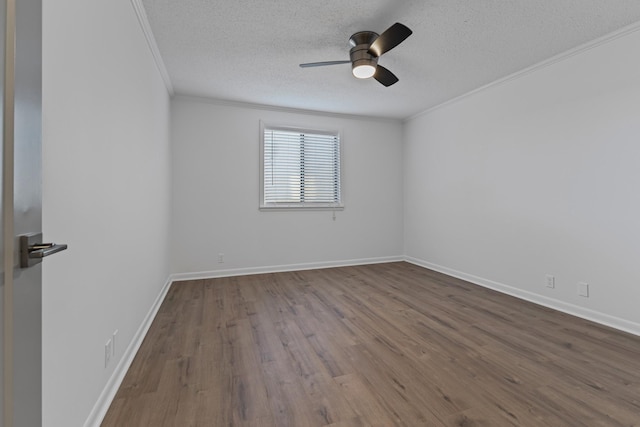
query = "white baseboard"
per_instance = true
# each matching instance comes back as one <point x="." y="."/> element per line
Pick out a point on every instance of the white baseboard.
<point x="574" y="310"/>
<point x="108" y="393"/>
<point x="281" y="268"/>
<point x="106" y="397"/>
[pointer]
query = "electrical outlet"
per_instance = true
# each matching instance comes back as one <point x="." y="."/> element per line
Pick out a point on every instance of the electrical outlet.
<point x="220" y="258"/>
<point x="108" y="351"/>
<point x="551" y="281"/>
<point x="583" y="289"/>
<point x="113" y="343"/>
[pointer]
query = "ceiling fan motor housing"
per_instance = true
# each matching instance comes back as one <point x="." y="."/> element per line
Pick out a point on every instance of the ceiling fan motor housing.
<point x="366" y="48"/>
<point x="359" y="54"/>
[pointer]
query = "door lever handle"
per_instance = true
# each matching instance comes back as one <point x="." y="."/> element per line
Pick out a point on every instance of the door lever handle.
<point x="32" y="251"/>
<point x="39" y="246"/>
<point x="45" y="249"/>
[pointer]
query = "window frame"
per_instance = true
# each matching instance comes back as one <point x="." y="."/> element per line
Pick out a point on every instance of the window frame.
<point x="300" y="205"/>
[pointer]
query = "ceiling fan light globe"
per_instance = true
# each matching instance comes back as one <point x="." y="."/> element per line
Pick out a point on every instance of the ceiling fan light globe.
<point x="363" y="64"/>
<point x="364" y="71"/>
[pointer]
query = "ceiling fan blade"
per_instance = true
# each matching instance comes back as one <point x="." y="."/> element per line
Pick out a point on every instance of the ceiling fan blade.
<point x="385" y="76"/>
<point x="322" y="64"/>
<point x="392" y="37"/>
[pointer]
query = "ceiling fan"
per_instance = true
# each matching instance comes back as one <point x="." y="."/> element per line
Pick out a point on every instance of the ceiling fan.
<point x="367" y="47"/>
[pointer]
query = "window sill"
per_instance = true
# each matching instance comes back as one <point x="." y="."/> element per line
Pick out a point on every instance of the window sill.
<point x="293" y="207"/>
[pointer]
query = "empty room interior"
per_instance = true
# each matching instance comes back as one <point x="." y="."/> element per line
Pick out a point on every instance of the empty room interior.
<point x="453" y="239"/>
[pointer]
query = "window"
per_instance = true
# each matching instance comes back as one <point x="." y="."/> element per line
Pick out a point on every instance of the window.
<point x="300" y="168"/>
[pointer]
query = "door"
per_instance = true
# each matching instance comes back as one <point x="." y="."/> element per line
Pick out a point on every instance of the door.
<point x="22" y="212"/>
<point x="4" y="303"/>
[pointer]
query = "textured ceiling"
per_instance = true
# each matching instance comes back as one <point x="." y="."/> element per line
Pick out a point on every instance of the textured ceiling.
<point x="249" y="50"/>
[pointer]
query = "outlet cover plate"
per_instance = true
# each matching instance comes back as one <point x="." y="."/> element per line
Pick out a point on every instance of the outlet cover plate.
<point x="583" y="289"/>
<point x="551" y="281"/>
<point x="108" y="351"/>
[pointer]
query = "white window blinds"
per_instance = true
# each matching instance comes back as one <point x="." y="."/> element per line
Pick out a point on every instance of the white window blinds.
<point x="300" y="168"/>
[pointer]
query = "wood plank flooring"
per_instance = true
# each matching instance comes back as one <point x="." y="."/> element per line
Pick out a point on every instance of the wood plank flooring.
<point x="379" y="345"/>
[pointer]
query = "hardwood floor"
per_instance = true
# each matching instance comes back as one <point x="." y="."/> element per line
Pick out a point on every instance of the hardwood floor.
<point x="380" y="345"/>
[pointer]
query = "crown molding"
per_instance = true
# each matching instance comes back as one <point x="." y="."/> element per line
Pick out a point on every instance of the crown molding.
<point x="252" y="106"/>
<point x="539" y="66"/>
<point x="151" y="42"/>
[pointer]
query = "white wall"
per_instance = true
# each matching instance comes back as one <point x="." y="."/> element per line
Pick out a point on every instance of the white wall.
<point x="536" y="176"/>
<point x="539" y="175"/>
<point x="106" y="193"/>
<point x="215" y="154"/>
